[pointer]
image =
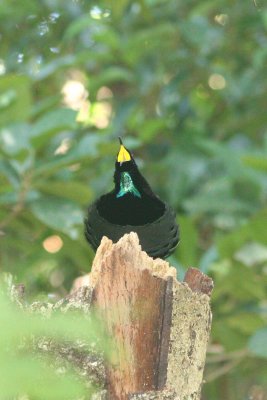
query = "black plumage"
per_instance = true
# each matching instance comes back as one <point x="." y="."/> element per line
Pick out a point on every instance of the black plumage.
<point x="132" y="207"/>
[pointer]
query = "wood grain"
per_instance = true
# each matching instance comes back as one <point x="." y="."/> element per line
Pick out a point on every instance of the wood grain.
<point x="159" y="326"/>
<point x="132" y="301"/>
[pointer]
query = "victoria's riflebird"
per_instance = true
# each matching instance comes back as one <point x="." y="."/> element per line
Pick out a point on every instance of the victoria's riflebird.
<point x="132" y="207"/>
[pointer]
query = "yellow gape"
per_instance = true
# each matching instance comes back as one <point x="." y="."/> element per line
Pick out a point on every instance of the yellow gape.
<point x="123" y="155"/>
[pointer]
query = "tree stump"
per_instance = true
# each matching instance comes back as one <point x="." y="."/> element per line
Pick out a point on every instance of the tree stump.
<point x="159" y="326"/>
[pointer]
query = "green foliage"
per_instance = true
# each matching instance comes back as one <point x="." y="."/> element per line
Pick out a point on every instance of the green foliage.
<point x="57" y="213"/>
<point x="185" y="84"/>
<point x="25" y="371"/>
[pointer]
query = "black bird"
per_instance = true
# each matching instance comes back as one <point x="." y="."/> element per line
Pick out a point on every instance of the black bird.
<point x="132" y="207"/>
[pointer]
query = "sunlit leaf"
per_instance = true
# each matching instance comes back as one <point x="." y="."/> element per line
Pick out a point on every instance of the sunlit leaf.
<point x="15" y="98"/>
<point x="259" y="163"/>
<point x="71" y="190"/>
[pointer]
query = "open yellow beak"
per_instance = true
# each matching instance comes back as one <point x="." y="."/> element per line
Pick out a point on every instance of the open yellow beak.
<point x="123" y="155"/>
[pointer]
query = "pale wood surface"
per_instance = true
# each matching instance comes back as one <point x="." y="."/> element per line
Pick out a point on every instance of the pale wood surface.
<point x="160" y="327"/>
<point x="130" y="292"/>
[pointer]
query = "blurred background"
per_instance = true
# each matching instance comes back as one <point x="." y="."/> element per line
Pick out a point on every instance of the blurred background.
<point x="184" y="84"/>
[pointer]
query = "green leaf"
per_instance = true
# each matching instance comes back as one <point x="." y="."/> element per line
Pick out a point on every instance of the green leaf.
<point x="236" y="282"/>
<point x="52" y="122"/>
<point x="71" y="190"/>
<point x="215" y="200"/>
<point x="252" y="231"/>
<point x="113" y="74"/>
<point x="7" y="98"/>
<point x="258" y="343"/>
<point x="187" y="249"/>
<point x="45" y="105"/>
<point x="9" y="198"/>
<point x="227" y="336"/>
<point x="15" y="138"/>
<point x="150" y="128"/>
<point x="208" y="258"/>
<point x="246" y="323"/>
<point x="259" y="163"/>
<point x="39" y="376"/>
<point x="15" y="98"/>
<point x="87" y="147"/>
<point x="58" y="213"/>
<point x="8" y="170"/>
<point x="36" y="378"/>
<point x="77" y="26"/>
<point x="54" y="65"/>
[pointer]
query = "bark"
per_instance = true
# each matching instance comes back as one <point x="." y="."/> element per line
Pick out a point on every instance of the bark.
<point x="159" y="326"/>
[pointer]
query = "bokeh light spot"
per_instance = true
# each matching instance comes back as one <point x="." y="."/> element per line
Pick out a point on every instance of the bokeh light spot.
<point x="95" y="12"/>
<point x="53" y="244"/>
<point x="217" y="82"/>
<point x="221" y="19"/>
<point x="74" y="94"/>
<point x="2" y="67"/>
<point x="101" y="114"/>
<point x="64" y="147"/>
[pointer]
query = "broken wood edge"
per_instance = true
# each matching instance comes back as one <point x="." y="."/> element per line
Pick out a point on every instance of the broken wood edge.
<point x="198" y="281"/>
<point x="129" y="243"/>
<point x="196" y="289"/>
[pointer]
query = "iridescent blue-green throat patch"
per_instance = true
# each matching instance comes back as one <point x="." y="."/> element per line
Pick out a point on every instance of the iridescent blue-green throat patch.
<point x="127" y="186"/>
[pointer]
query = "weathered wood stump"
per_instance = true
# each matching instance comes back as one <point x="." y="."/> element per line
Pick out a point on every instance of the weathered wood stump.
<point x="159" y="326"/>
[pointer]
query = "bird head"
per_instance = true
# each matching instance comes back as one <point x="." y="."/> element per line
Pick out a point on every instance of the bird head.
<point x="125" y="160"/>
<point x="126" y="173"/>
<point x="132" y="206"/>
<point x="124" y="154"/>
